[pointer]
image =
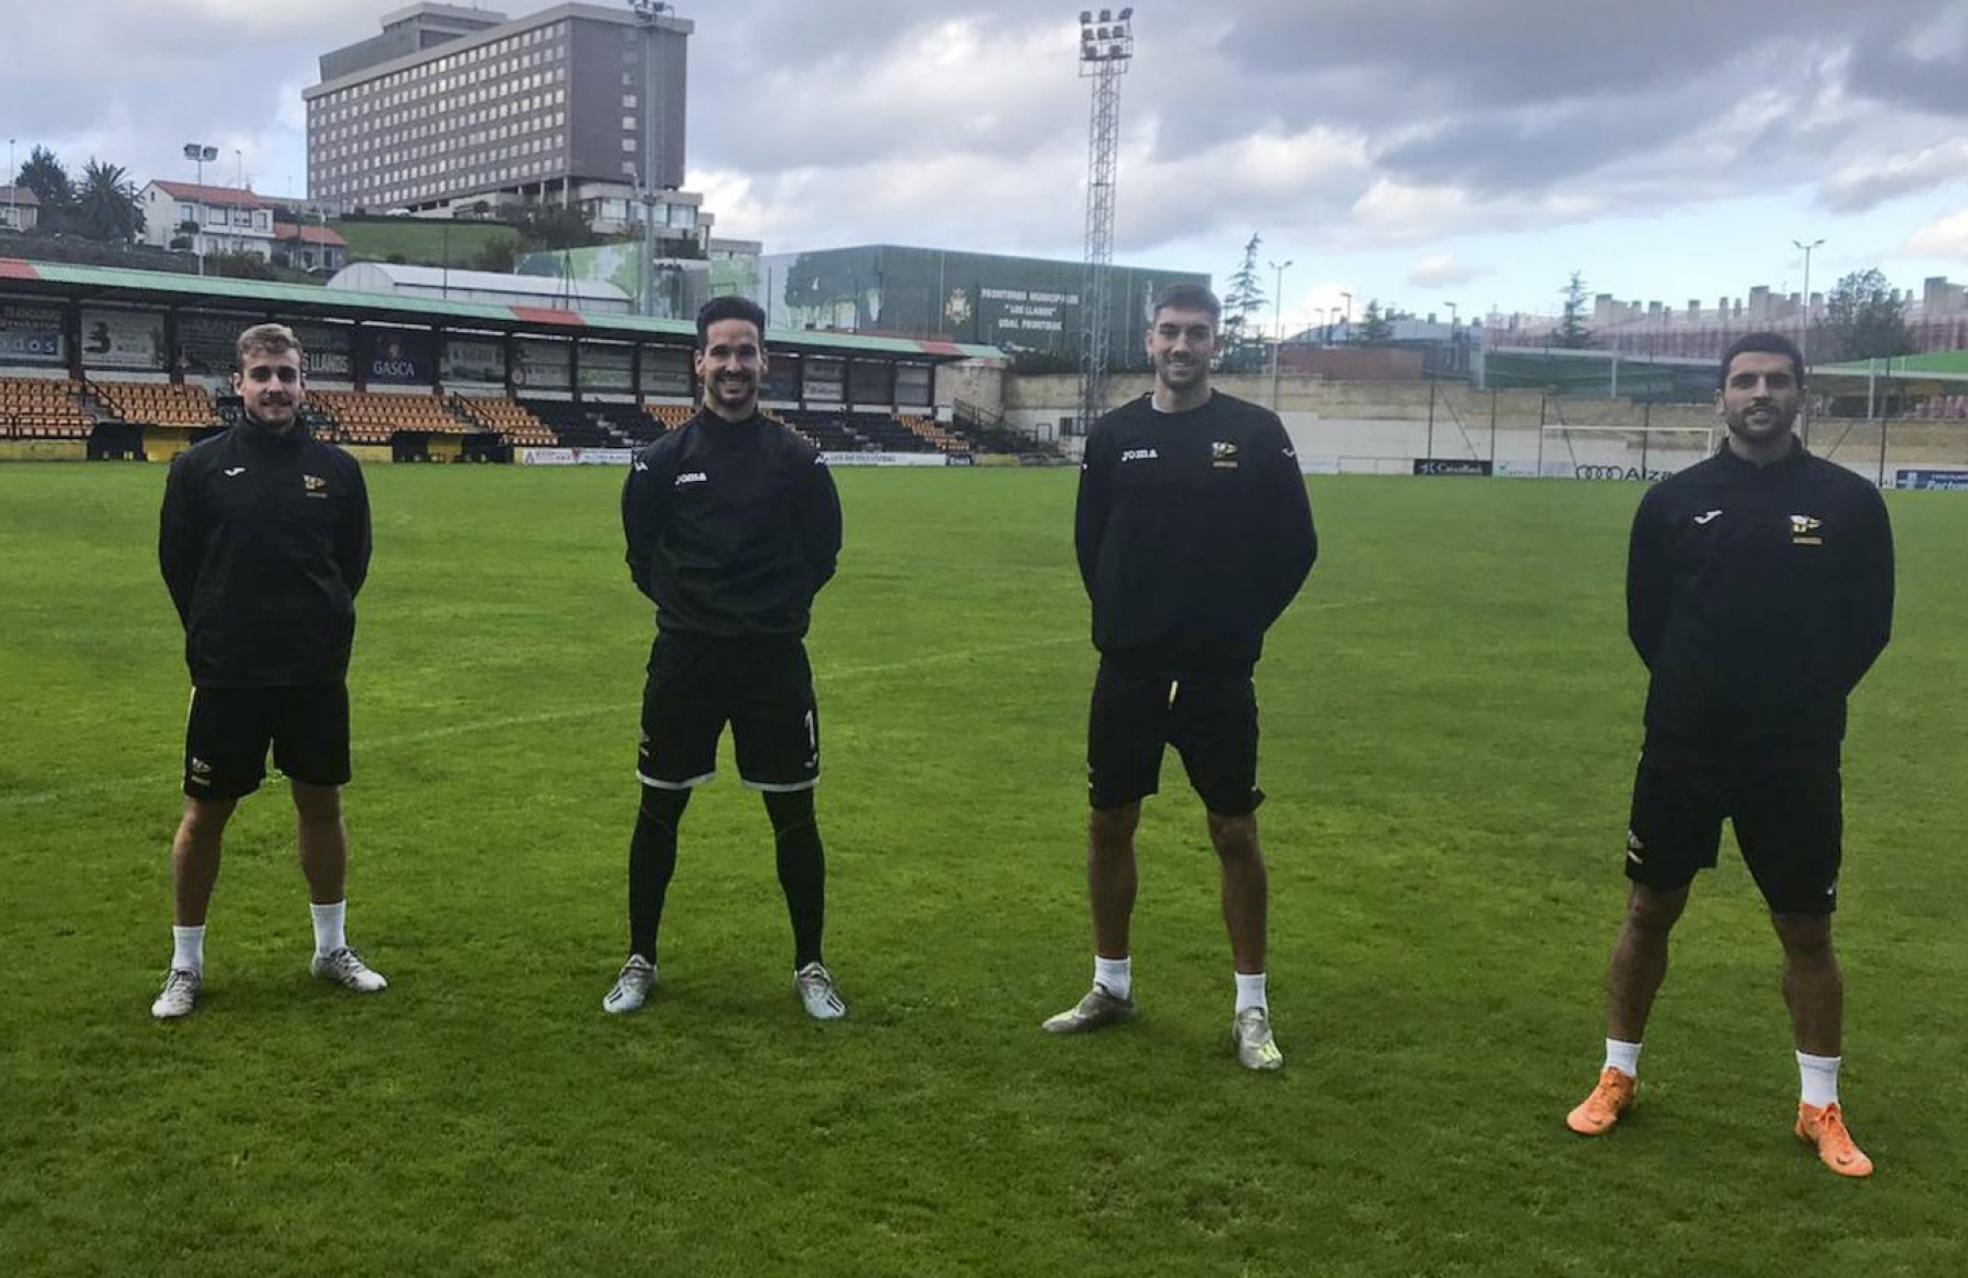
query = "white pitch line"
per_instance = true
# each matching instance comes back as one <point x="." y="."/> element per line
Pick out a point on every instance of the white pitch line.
<point x="625" y="707"/>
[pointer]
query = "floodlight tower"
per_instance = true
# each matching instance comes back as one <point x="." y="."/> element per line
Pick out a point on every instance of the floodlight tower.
<point x="648" y="16"/>
<point x="201" y="155"/>
<point x="1106" y="48"/>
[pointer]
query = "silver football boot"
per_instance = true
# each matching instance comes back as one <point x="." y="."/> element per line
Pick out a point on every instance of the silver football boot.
<point x="1099" y="1009"/>
<point x="1256" y="1049"/>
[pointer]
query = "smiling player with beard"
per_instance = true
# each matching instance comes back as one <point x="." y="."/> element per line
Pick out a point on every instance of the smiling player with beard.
<point x="264" y="544"/>
<point x="1759" y="592"/>
<point x="1193" y="532"/>
<point x="733" y="527"/>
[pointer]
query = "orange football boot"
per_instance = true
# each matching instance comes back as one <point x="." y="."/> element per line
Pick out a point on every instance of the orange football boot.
<point x="1824" y="1129"/>
<point x="1599" y="1111"/>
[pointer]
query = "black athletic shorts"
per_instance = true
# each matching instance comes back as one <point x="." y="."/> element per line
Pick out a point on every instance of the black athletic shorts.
<point x="227" y="732"/>
<point x="762" y="687"/>
<point x="1789" y="823"/>
<point x="1211" y="721"/>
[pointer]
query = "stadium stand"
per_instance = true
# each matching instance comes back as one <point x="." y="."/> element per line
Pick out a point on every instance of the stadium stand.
<point x="157" y="404"/>
<point x="591" y="425"/>
<point x="366" y="417"/>
<point x="888" y="434"/>
<point x="670" y="415"/>
<point x="510" y="420"/>
<point x="941" y="440"/>
<point x="37" y="408"/>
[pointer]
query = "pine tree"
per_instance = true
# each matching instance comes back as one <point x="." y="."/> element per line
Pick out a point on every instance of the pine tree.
<point x="1572" y="333"/>
<point x="1244" y="298"/>
<point x="1376" y="326"/>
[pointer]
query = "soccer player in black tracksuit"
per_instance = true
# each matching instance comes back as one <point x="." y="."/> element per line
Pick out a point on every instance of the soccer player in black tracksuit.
<point x="1193" y="532"/>
<point x="732" y="527"/>
<point x="264" y="544"/>
<point x="1759" y="592"/>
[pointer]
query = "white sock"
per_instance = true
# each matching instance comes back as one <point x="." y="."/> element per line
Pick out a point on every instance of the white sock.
<point x="1818" y="1076"/>
<point x="1116" y="974"/>
<point x="1624" y="1057"/>
<point x="188" y="949"/>
<point x="328" y="935"/>
<point x="1250" y="992"/>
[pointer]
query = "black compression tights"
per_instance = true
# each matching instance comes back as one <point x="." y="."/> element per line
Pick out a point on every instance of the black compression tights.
<point x="652" y="860"/>
<point x="802" y="870"/>
<point x="802" y="865"/>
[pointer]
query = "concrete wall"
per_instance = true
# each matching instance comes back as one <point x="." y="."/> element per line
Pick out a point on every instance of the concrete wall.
<point x="974" y="383"/>
<point x="1344" y="427"/>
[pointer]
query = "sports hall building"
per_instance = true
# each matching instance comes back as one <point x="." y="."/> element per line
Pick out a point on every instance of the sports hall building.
<point x="1022" y="305"/>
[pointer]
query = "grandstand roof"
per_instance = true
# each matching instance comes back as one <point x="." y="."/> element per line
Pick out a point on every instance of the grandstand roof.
<point x="1937" y="367"/>
<point x="1935" y="364"/>
<point x="401" y="276"/>
<point x="306" y="301"/>
<point x="211" y="194"/>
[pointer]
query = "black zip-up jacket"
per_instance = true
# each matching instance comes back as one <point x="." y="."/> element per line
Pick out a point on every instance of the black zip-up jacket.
<point x="1193" y="532"/>
<point x="732" y="528"/>
<point x="1758" y="597"/>
<point x="264" y="544"/>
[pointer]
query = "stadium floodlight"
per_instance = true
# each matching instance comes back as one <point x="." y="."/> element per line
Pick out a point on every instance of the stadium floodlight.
<point x="1125" y="14"/>
<point x="201" y="155"/>
<point x="1105" y="51"/>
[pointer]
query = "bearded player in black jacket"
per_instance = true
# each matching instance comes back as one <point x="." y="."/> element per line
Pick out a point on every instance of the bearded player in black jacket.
<point x="1193" y="532"/>
<point x="1759" y="592"/>
<point x="264" y="543"/>
<point x="733" y="527"/>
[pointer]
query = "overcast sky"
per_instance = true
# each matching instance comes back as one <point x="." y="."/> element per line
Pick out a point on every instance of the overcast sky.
<point x="1421" y="151"/>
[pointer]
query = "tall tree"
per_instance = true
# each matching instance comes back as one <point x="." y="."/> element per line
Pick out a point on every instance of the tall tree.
<point x="44" y="175"/>
<point x="1572" y="333"/>
<point x="1376" y="326"/>
<point x="106" y="206"/>
<point x="1864" y="319"/>
<point x="1243" y="298"/>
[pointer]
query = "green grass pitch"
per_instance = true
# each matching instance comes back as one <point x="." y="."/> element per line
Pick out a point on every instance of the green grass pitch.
<point x="1450" y="717"/>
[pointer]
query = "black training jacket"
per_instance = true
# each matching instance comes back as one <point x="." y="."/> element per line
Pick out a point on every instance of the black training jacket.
<point x="732" y="528"/>
<point x="1758" y="597"/>
<point x="264" y="544"/>
<point x="1193" y="531"/>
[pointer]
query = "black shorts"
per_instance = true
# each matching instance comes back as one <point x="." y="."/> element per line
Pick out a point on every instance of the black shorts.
<point x="1789" y="823"/>
<point x="762" y="688"/>
<point x="227" y="731"/>
<point x="1211" y="721"/>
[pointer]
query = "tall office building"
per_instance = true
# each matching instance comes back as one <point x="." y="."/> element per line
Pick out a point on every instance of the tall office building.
<point x="452" y="106"/>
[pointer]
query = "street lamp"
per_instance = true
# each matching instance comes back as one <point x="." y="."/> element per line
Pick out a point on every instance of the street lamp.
<point x="1453" y="313"/>
<point x="1349" y="313"/>
<point x="200" y="155"/>
<point x="13" y="184"/>
<point x="1277" y="324"/>
<point x="1278" y="312"/>
<point x="1806" y="348"/>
